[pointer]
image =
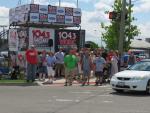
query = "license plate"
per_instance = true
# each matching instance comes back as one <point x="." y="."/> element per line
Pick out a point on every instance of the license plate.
<point x="121" y="83"/>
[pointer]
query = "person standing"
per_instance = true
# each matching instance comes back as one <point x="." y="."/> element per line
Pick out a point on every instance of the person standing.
<point x="60" y="68"/>
<point x="86" y="67"/>
<point x="98" y="69"/>
<point x="132" y="59"/>
<point x="42" y="66"/>
<point x="114" y="64"/>
<point x="50" y="67"/>
<point x="32" y="60"/>
<point x="70" y="61"/>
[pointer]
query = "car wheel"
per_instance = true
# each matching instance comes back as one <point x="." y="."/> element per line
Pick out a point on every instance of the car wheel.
<point x="148" y="87"/>
<point x="118" y="90"/>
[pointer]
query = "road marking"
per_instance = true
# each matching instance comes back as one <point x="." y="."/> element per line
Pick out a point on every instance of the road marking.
<point x="63" y="100"/>
<point x="87" y="92"/>
<point x="107" y="101"/>
<point x="106" y="95"/>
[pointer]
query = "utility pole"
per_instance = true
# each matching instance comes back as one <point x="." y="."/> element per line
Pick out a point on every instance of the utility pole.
<point x="77" y="3"/>
<point x="59" y="3"/>
<point x="122" y="27"/>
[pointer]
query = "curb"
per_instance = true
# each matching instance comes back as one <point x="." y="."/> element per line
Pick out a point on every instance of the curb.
<point x="19" y="84"/>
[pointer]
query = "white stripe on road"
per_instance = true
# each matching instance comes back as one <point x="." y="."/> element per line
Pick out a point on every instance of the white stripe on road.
<point x="63" y="100"/>
<point x="67" y="100"/>
<point x="107" y="101"/>
<point x="82" y="92"/>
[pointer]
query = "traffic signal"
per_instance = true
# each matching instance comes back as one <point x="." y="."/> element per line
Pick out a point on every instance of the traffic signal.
<point x="117" y="15"/>
<point x="112" y="15"/>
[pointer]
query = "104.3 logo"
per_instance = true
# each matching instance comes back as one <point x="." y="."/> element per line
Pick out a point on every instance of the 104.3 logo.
<point x="67" y="35"/>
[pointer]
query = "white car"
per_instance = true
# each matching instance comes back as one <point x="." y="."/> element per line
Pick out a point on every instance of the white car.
<point x="135" y="78"/>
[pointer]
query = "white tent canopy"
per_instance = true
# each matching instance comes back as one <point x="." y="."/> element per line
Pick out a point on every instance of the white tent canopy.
<point x="140" y="44"/>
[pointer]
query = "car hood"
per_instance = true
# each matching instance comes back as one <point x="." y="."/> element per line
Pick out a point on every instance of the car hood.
<point x="132" y="73"/>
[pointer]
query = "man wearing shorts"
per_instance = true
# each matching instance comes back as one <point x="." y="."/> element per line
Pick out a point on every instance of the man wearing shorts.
<point x="98" y="68"/>
<point x="50" y="67"/>
<point x="70" y="61"/>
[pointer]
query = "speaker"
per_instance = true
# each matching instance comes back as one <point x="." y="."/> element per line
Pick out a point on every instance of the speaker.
<point x="50" y="42"/>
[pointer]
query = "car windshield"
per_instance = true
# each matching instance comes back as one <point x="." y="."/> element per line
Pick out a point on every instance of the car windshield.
<point x="140" y="66"/>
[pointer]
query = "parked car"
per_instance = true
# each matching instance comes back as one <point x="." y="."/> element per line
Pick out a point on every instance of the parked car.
<point x="134" y="78"/>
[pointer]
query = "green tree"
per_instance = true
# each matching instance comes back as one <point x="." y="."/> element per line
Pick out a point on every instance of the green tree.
<point x="111" y="32"/>
<point x="93" y="45"/>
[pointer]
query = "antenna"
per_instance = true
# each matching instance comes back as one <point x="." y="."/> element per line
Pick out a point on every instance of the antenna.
<point x="32" y="1"/>
<point x="19" y="2"/>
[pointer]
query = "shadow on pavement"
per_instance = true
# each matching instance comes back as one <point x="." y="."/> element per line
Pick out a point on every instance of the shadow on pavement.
<point x="133" y="94"/>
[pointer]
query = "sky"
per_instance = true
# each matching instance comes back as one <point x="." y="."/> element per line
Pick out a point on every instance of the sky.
<point x="92" y="14"/>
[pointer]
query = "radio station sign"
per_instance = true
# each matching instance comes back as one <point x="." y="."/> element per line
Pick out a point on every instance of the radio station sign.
<point x="40" y="37"/>
<point x="48" y="14"/>
<point x="67" y="39"/>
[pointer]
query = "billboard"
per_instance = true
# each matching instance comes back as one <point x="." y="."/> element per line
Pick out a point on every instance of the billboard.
<point x="23" y="39"/>
<point x="40" y="37"/>
<point x="67" y="39"/>
<point x="13" y="40"/>
<point x="47" y="14"/>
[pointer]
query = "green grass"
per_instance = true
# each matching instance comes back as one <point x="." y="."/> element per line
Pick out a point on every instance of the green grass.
<point x="12" y="81"/>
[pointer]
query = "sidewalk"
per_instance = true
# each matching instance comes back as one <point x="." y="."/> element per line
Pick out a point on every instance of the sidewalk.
<point x="61" y="81"/>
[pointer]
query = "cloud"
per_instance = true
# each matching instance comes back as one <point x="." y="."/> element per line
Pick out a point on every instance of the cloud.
<point x="142" y="6"/>
<point x="144" y="30"/>
<point x="4" y="12"/>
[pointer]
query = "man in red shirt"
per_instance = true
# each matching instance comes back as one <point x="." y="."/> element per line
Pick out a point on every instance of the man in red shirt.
<point x="32" y="60"/>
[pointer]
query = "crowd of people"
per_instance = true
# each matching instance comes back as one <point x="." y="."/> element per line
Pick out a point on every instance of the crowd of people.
<point x="72" y="65"/>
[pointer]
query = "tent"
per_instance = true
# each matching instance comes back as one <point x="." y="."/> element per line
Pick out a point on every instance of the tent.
<point x="140" y="44"/>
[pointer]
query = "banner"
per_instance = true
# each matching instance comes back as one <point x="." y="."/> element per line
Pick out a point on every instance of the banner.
<point x="23" y="39"/>
<point x="67" y="39"/>
<point x="40" y="37"/>
<point x="34" y="8"/>
<point x="52" y="9"/>
<point x="69" y="11"/>
<point x="45" y="14"/>
<point x="34" y="17"/>
<point x="68" y="19"/>
<point x="60" y="11"/>
<point x="60" y="19"/>
<point x="13" y="40"/>
<point x="77" y="20"/>
<point x="76" y="12"/>
<point x="43" y="9"/>
<point x="51" y="18"/>
<point x="43" y="18"/>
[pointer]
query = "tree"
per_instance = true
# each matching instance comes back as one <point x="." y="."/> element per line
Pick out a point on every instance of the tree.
<point x="111" y="34"/>
<point x="92" y="45"/>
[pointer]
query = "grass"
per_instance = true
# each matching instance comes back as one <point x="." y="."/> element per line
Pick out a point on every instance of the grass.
<point x="12" y="81"/>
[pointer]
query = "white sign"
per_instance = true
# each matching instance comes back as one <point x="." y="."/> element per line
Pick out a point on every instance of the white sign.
<point x="76" y="12"/>
<point x="13" y="40"/>
<point x="60" y="11"/>
<point x="40" y="37"/>
<point x="43" y="9"/>
<point x="68" y="19"/>
<point x="51" y="18"/>
<point x="34" y="17"/>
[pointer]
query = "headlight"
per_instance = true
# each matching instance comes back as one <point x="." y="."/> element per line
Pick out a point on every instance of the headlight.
<point x="114" y="77"/>
<point x="138" y="78"/>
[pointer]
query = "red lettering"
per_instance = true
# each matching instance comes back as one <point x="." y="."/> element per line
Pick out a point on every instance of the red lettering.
<point x="42" y="34"/>
<point x="66" y="42"/>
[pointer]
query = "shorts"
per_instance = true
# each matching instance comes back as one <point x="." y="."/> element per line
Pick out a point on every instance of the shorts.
<point x="70" y="71"/>
<point x="50" y="71"/>
<point x="42" y="69"/>
<point x="86" y="72"/>
<point x="99" y="74"/>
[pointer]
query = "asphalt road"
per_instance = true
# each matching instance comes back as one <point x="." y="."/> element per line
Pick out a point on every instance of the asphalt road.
<point x="74" y="99"/>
